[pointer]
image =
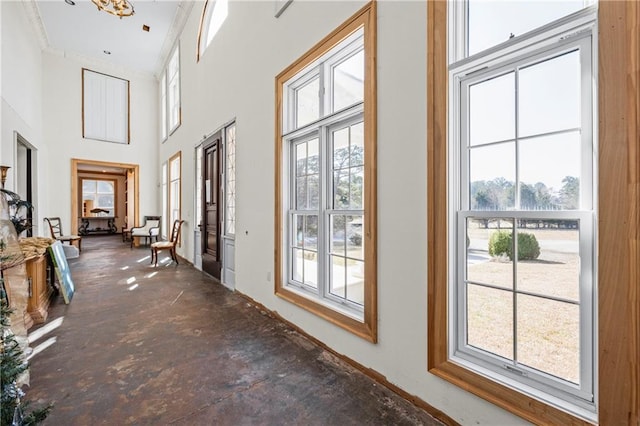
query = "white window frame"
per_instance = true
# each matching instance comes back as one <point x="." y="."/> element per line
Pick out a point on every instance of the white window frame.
<point x="320" y="129"/>
<point x="578" y="30"/>
<point x="170" y="96"/>
<point x="174" y="211"/>
<point x="163" y="107"/>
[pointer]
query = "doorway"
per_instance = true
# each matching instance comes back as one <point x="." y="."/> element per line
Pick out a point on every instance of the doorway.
<point x="127" y="198"/>
<point x="25" y="175"/>
<point x="211" y="205"/>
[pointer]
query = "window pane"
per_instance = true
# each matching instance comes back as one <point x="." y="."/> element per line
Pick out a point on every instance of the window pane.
<point x="355" y="281"/>
<point x="492" y="175"/>
<point x="357" y="144"/>
<point x="311" y="268"/>
<point x="355" y="240"/>
<point x="105" y="187"/>
<point x="298" y="221"/>
<point x="338" y="234"/>
<point x="559" y="257"/>
<point x="341" y="189"/>
<point x="348" y="82"/>
<point x="301" y="193"/>
<point x="338" y="277"/>
<point x="301" y="159"/>
<point x="313" y="196"/>
<point x="489" y="248"/>
<point x="311" y="232"/>
<point x="175" y="169"/>
<point x="550" y="172"/>
<point x="88" y="185"/>
<point x="492" y="115"/>
<point x="549" y="95"/>
<point x="105" y="200"/>
<point x="308" y="102"/>
<point x="490" y="320"/>
<point x="494" y="22"/>
<point x="297" y="265"/>
<point x="549" y="336"/>
<point x="356" y="188"/>
<point x="341" y="152"/>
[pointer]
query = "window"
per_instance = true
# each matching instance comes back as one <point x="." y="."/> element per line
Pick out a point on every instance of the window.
<point x="230" y="180"/>
<point x="170" y="109"/>
<point x="519" y="276"/>
<point x="105" y="107"/>
<point x="175" y="194"/>
<point x="163" y="106"/>
<point x="165" y="201"/>
<point x="326" y="161"/>
<point x="214" y="14"/>
<point x="98" y="194"/>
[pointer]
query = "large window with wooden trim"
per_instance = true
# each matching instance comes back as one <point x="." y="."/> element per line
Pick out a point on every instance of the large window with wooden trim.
<point x="170" y="104"/>
<point x="325" y="150"/>
<point x="520" y="308"/>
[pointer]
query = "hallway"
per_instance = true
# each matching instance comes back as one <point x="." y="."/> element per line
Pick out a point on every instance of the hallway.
<point x="168" y="345"/>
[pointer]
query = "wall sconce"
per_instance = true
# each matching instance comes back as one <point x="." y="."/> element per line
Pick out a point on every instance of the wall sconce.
<point x="3" y="174"/>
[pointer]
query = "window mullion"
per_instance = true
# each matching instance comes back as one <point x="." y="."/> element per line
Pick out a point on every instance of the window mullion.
<point x="324" y="228"/>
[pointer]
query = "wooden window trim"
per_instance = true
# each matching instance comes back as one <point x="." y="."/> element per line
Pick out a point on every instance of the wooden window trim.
<point x="367" y="329"/>
<point x="177" y="155"/>
<point x="618" y="295"/>
<point x="203" y="16"/>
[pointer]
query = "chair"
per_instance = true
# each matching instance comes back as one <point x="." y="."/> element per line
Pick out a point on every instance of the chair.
<point x="150" y="229"/>
<point x="55" y="226"/>
<point x="167" y="245"/>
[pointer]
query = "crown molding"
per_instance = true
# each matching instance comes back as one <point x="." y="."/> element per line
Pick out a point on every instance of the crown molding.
<point x="179" y="21"/>
<point x="98" y="64"/>
<point x="33" y="16"/>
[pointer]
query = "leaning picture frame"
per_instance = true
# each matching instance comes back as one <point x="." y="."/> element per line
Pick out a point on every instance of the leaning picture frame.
<point x="63" y="272"/>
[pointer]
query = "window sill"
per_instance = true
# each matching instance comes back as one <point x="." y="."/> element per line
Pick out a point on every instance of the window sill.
<point x="328" y="312"/>
<point x="516" y="402"/>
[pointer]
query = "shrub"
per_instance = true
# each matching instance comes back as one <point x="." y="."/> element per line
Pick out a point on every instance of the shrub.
<point x="501" y="242"/>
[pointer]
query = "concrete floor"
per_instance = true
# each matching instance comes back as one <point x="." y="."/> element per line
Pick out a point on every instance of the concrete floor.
<point x="156" y="346"/>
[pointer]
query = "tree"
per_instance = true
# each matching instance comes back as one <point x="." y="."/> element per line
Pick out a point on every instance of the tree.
<point x="570" y="193"/>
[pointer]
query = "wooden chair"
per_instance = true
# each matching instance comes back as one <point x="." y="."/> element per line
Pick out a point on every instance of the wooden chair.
<point x="148" y="231"/>
<point x="55" y="226"/>
<point x="167" y="245"/>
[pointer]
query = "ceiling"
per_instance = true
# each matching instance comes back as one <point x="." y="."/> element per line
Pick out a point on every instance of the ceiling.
<point x="83" y="29"/>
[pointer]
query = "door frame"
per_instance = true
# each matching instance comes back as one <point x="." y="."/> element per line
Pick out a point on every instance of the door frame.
<point x="131" y="168"/>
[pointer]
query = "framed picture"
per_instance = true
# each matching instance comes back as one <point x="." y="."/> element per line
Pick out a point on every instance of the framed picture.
<point x="280" y="6"/>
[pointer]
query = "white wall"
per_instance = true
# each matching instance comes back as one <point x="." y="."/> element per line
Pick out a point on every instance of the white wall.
<point x="236" y="79"/>
<point x="21" y="90"/>
<point x="62" y="117"/>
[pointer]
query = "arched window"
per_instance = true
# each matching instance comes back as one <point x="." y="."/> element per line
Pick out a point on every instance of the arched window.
<point x="213" y="15"/>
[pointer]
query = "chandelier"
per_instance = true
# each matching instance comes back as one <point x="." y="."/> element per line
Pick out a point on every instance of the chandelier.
<point x="115" y="7"/>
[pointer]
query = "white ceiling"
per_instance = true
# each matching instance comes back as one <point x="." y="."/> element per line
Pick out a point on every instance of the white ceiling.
<point x="84" y="30"/>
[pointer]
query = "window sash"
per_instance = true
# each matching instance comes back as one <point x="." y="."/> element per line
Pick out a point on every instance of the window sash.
<point x="173" y="89"/>
<point x="562" y="36"/>
<point x="320" y="130"/>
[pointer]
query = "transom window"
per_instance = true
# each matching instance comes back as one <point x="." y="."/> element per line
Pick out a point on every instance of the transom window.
<point x="327" y="261"/>
<point x="214" y="13"/>
<point x="522" y="214"/>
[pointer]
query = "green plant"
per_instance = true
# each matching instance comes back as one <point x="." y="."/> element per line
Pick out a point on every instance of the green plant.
<point x="501" y="242"/>
<point x="12" y="366"/>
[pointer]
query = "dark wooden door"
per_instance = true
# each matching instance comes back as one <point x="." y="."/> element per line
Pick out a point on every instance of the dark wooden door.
<point x="212" y="214"/>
